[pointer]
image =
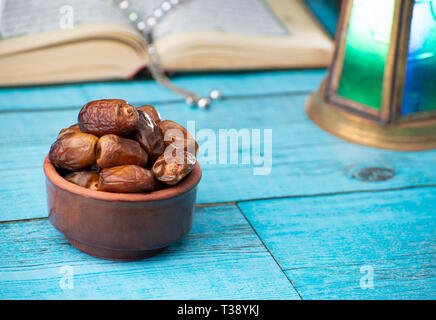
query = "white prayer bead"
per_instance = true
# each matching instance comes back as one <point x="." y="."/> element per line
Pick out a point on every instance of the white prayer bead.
<point x="124" y="5"/>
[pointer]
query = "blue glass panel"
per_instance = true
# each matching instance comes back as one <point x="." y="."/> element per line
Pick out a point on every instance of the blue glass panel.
<point x="420" y="86"/>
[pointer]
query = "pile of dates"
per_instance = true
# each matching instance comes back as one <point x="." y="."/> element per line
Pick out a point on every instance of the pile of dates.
<point x="116" y="147"/>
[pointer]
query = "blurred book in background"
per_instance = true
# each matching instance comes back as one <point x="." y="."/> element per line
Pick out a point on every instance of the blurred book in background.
<point x="99" y="42"/>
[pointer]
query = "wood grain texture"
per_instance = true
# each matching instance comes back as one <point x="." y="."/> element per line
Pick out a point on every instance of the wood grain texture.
<point x="220" y="259"/>
<point x="147" y="91"/>
<point x="323" y="242"/>
<point x="305" y="159"/>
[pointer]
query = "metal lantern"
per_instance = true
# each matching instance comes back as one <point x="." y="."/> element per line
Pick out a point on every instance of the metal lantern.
<point x="381" y="87"/>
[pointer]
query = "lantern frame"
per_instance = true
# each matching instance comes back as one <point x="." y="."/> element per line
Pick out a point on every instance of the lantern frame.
<point x="353" y="121"/>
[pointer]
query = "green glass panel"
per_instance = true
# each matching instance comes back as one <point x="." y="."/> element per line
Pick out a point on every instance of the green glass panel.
<point x="366" y="51"/>
<point x="420" y="86"/>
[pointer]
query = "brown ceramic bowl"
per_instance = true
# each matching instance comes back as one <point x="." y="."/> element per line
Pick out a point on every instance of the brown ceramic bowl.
<point x="120" y="226"/>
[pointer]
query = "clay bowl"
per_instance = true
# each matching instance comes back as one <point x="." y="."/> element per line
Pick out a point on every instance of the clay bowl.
<point x="120" y="226"/>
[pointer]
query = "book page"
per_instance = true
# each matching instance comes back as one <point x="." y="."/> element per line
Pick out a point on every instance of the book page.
<point x="27" y="17"/>
<point x="252" y="17"/>
<point x="2" y="5"/>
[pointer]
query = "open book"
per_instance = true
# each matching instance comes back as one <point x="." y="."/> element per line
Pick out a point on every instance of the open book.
<point x="51" y="41"/>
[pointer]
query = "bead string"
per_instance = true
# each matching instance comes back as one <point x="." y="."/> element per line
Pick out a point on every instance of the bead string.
<point x="146" y="27"/>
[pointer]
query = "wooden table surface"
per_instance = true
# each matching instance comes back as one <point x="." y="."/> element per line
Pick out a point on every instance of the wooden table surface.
<point x="315" y="228"/>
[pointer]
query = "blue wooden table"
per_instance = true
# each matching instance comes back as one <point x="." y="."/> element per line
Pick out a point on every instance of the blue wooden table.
<point x="314" y="228"/>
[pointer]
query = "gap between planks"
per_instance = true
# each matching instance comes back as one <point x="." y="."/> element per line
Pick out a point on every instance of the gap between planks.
<point x="174" y="101"/>
<point x="235" y="203"/>
<point x="269" y="251"/>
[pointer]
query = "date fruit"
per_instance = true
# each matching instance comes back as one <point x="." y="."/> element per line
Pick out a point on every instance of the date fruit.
<point x="151" y="111"/>
<point x="84" y="179"/>
<point x="108" y="116"/>
<point x="173" y="165"/>
<point x="71" y="129"/>
<point x="112" y="151"/>
<point x="116" y="147"/>
<point x="178" y="136"/>
<point x="73" y="151"/>
<point x="127" y="178"/>
<point x="149" y="136"/>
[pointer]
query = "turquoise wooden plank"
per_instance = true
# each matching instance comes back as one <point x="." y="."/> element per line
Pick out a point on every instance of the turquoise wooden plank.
<point x="410" y="278"/>
<point x="326" y="11"/>
<point x="146" y="91"/>
<point x="221" y="258"/>
<point x="323" y="243"/>
<point x="305" y="159"/>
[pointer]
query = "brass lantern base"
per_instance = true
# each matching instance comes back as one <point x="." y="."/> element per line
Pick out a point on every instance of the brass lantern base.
<point x="403" y="136"/>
